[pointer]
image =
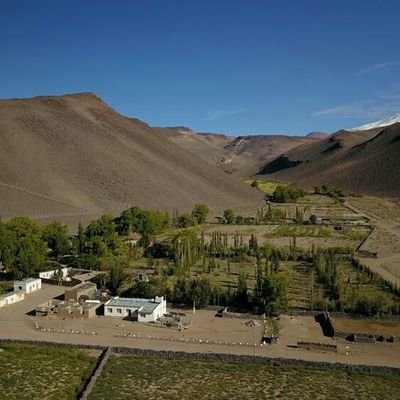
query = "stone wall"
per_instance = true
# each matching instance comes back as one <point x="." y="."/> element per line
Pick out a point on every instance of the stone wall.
<point x="95" y="374"/>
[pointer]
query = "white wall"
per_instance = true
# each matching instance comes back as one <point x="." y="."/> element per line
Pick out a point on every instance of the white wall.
<point x="52" y="273"/>
<point x="160" y="310"/>
<point x="163" y="309"/>
<point x="11" y="298"/>
<point x="112" y="311"/>
<point x="147" y="317"/>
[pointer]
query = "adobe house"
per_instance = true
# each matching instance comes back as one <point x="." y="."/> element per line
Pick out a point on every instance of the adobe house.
<point x="68" y="309"/>
<point x="74" y="309"/>
<point x="86" y="290"/>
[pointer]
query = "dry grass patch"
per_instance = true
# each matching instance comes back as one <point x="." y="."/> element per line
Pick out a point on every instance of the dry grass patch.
<point x="39" y="372"/>
<point x="135" y="377"/>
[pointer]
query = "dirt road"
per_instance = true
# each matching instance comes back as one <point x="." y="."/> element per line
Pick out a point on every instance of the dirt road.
<point x="232" y="335"/>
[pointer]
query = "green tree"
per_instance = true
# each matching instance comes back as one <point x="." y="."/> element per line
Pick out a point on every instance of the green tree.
<point x="81" y="239"/>
<point x="181" y="291"/>
<point x="23" y="250"/>
<point x="254" y="184"/>
<point x="229" y="216"/>
<point x="156" y="286"/>
<point x="200" y="291"/>
<point x="8" y="247"/>
<point x="116" y="277"/>
<point x="145" y="222"/>
<point x="101" y="238"/>
<point x="185" y="221"/>
<point x="284" y="194"/>
<point x="242" y="298"/>
<point x="199" y="213"/>
<point x="55" y="235"/>
<point x="274" y="293"/>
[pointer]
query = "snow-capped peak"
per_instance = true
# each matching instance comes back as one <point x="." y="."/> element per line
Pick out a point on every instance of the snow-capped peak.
<point x="378" y="124"/>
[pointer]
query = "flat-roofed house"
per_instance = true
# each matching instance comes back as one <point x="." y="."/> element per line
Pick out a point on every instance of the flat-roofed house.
<point x="83" y="290"/>
<point x="28" y="285"/>
<point x="74" y="309"/>
<point x="141" y="310"/>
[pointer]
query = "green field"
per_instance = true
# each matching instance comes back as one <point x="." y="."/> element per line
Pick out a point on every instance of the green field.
<point x="136" y="377"/>
<point x="266" y="186"/>
<point x="316" y="231"/>
<point x="300" y="231"/>
<point x="38" y="372"/>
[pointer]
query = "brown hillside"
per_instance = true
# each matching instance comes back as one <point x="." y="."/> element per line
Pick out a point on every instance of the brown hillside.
<point x="364" y="162"/>
<point x="74" y="155"/>
<point x="242" y="156"/>
<point x="247" y="154"/>
<point x="208" y="147"/>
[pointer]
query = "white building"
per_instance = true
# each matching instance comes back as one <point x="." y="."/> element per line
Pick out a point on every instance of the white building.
<point x="53" y="273"/>
<point x="28" y="285"/>
<point x="141" y="310"/>
<point x="11" y="298"/>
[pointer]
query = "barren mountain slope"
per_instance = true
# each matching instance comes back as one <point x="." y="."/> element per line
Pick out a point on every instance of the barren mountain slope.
<point x="73" y="154"/>
<point x="208" y="147"/>
<point x="242" y="156"/>
<point x="365" y="162"/>
<point x="246" y="155"/>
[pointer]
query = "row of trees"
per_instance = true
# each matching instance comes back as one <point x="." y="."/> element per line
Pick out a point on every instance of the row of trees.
<point x="329" y="191"/>
<point x="285" y="194"/>
<point x="347" y="294"/>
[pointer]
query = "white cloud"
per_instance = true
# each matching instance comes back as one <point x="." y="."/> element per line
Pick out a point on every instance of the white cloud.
<point x="361" y="110"/>
<point x="216" y="114"/>
<point x="379" y="105"/>
<point x="376" y="67"/>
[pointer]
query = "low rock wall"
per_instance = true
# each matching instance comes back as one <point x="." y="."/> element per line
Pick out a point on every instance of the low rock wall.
<point x="95" y="374"/>
<point x="317" y="346"/>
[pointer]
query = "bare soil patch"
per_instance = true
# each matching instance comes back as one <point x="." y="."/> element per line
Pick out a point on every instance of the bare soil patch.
<point x="365" y="326"/>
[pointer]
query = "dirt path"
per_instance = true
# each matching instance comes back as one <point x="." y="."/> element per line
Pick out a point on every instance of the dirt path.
<point x="42" y="196"/>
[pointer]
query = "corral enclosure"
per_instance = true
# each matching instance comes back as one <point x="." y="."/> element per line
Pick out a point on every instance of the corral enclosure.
<point x="367" y="326"/>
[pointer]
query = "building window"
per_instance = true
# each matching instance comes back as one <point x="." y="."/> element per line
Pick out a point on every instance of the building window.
<point x="119" y="310"/>
<point x="109" y="310"/>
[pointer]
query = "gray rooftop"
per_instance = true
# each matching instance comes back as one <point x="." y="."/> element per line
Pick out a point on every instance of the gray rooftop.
<point x="145" y="305"/>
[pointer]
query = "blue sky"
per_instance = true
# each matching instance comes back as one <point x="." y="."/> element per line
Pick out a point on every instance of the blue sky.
<point x="239" y="67"/>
